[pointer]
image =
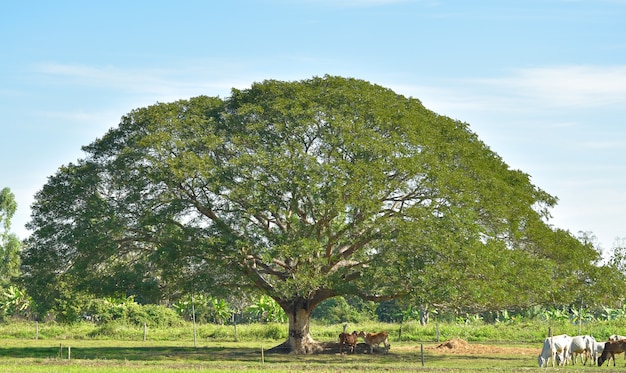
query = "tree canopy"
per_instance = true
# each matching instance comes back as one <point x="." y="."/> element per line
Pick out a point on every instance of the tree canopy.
<point x="302" y="191"/>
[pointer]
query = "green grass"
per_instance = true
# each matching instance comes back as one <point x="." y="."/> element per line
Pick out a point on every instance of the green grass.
<point x="528" y="331"/>
<point x="121" y="348"/>
<point x="166" y="356"/>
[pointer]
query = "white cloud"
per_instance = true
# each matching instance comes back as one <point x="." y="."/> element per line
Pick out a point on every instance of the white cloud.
<point x="166" y="84"/>
<point x="525" y="93"/>
<point x="579" y="86"/>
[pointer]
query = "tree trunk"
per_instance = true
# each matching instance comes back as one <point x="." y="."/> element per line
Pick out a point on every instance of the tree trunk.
<point x="299" y="341"/>
<point x="424" y="316"/>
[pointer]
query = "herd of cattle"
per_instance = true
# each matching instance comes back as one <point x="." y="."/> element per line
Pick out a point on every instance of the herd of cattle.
<point x="559" y="349"/>
<point x="372" y="339"/>
<point x="563" y="349"/>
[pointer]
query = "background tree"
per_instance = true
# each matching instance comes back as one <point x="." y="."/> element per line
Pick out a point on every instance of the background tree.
<point x="9" y="243"/>
<point x="302" y="191"/>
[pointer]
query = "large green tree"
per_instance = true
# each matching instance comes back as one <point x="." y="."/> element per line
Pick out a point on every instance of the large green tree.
<point x="303" y="191"/>
<point x="9" y="243"/>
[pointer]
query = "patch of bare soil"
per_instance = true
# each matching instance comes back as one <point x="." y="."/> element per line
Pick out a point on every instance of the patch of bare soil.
<point x="460" y="346"/>
<point x="452" y="346"/>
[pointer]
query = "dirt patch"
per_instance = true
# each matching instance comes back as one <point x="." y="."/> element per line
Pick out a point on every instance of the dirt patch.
<point x="460" y="346"/>
<point x="453" y="344"/>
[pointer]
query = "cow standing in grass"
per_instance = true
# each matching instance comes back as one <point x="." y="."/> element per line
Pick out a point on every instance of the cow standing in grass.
<point x="375" y="339"/>
<point x="610" y="349"/>
<point x="583" y="346"/>
<point x="555" y="348"/>
<point x="348" y="339"/>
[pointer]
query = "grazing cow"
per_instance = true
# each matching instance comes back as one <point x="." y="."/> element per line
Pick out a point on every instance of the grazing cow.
<point x="349" y="340"/>
<point x="375" y="339"/>
<point x="615" y="337"/>
<point x="599" y="350"/>
<point x="611" y="348"/>
<point x="583" y="346"/>
<point x="554" y="348"/>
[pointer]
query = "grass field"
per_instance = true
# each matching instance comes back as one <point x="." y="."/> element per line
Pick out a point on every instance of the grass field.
<point x="216" y="351"/>
<point x="168" y="356"/>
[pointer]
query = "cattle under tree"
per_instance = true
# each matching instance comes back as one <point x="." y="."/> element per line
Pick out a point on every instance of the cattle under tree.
<point x="375" y="339"/>
<point x="348" y="339"/>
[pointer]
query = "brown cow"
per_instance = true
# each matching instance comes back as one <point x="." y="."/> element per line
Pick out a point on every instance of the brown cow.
<point x="348" y="339"/>
<point x="375" y="339"/>
<point x="612" y="348"/>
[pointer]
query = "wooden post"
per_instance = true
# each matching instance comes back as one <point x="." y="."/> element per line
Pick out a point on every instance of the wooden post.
<point x="60" y="351"/>
<point x="262" y="355"/>
<point x="145" y="332"/>
<point x="234" y="321"/>
<point x="422" y="352"/>
<point x="437" y="330"/>
<point x="36" y="330"/>
<point x="580" y="317"/>
<point x="193" y="318"/>
<point x="69" y="353"/>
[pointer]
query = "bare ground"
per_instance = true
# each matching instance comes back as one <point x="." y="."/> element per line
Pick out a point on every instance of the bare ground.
<point x="461" y="346"/>
<point x="452" y="346"/>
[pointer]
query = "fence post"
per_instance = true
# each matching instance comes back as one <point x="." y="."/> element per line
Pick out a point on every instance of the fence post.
<point x="145" y="332"/>
<point x="36" y="330"/>
<point x="193" y="318"/>
<point x="580" y="323"/>
<point x="422" y="352"/>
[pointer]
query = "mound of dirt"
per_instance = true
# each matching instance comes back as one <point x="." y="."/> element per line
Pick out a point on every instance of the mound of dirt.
<point x="459" y="346"/>
<point x="454" y="344"/>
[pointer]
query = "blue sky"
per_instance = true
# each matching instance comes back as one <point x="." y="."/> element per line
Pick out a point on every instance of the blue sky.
<point x="542" y="82"/>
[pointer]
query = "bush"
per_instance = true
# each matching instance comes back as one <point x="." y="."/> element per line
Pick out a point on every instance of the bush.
<point x="161" y="317"/>
<point x="116" y="330"/>
<point x="130" y="312"/>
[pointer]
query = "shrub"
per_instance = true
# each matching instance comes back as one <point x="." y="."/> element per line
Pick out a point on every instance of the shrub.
<point x="161" y="317"/>
<point x="130" y="312"/>
<point x="116" y="330"/>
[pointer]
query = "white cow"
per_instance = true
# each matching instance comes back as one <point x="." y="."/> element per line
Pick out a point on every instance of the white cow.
<point x="583" y="346"/>
<point x="599" y="350"/>
<point x="554" y="348"/>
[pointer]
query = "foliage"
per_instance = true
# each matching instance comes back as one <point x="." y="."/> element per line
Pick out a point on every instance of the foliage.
<point x="127" y="311"/>
<point x="302" y="191"/>
<point x="266" y="309"/>
<point x="206" y="308"/>
<point x="10" y="245"/>
<point x="345" y="310"/>
<point x="14" y="302"/>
